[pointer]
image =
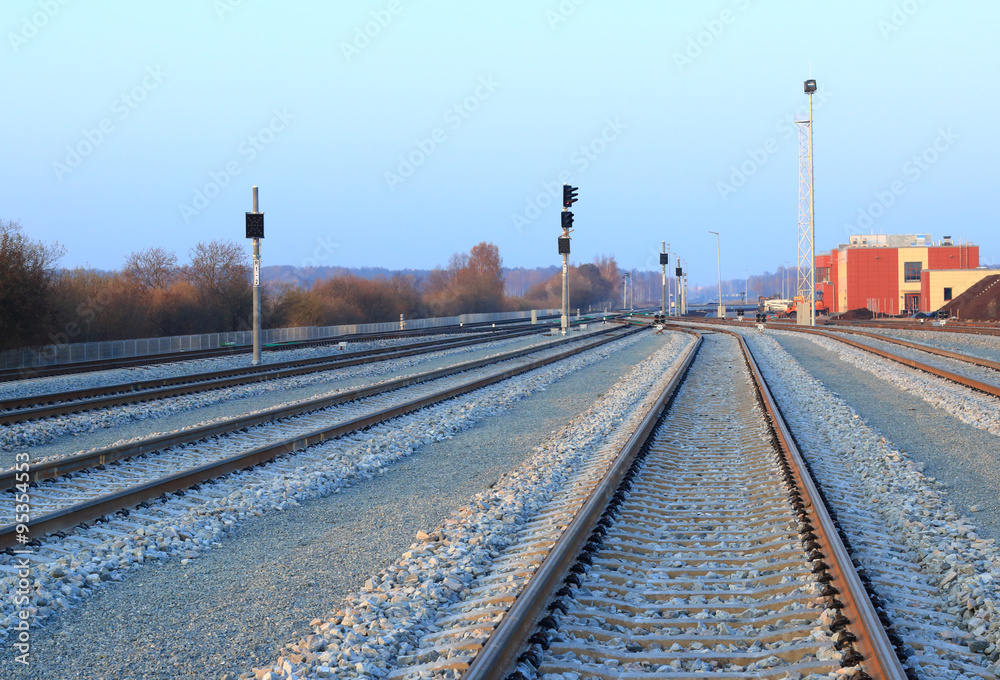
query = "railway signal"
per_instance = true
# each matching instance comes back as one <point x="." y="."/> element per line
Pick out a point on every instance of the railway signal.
<point x="569" y="195"/>
<point x="664" y="259"/>
<point x="566" y="221"/>
<point x="255" y="230"/>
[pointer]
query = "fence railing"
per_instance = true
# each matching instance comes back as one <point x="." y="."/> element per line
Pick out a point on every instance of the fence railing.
<point x="116" y="349"/>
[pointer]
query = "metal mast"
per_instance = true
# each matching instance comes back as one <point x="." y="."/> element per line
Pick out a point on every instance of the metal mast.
<point x="806" y="288"/>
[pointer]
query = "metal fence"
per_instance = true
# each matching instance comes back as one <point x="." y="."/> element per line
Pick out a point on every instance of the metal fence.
<point x="115" y="349"/>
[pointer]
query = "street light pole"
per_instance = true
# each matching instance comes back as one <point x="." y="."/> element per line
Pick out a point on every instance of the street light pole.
<point x="669" y="286"/>
<point x="631" y="294"/>
<point x="718" y="252"/>
<point x="684" y="287"/>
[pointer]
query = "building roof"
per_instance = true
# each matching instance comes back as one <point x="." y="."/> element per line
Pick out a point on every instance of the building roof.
<point x="896" y="241"/>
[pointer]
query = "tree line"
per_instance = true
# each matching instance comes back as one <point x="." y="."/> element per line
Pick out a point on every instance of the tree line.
<point x="153" y="295"/>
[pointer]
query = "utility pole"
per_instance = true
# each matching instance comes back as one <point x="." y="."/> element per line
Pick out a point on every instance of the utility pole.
<point x="255" y="231"/>
<point x="569" y="198"/>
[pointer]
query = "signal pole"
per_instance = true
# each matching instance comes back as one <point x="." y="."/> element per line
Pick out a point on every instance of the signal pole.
<point x="255" y="231"/>
<point x="663" y="266"/>
<point x="569" y="198"/>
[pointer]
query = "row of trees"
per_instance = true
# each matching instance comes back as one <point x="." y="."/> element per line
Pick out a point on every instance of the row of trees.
<point x="153" y="295"/>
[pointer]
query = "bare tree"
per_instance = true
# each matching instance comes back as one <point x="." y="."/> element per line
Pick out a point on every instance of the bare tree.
<point x="153" y="268"/>
<point x="26" y="271"/>
<point x="472" y="283"/>
<point x="220" y="271"/>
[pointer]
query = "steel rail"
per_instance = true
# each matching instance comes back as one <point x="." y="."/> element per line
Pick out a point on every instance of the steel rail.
<point x="977" y="385"/>
<point x="64" y="465"/>
<point x="98" y="507"/>
<point x="951" y="327"/>
<point x="880" y="660"/>
<point x="31" y="372"/>
<point x="498" y="655"/>
<point x="984" y="363"/>
<point x="24" y="409"/>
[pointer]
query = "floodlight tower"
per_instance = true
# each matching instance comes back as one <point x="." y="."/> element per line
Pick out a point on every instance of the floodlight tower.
<point x="807" y="226"/>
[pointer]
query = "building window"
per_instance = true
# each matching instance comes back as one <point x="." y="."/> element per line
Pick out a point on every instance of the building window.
<point x="822" y="275"/>
<point x="947" y="294"/>
<point x="911" y="271"/>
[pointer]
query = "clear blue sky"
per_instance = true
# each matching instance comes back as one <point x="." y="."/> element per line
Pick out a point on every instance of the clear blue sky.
<point x="646" y="105"/>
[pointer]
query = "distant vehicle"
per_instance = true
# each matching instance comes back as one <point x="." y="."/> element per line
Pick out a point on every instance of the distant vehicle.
<point x="924" y="315"/>
<point x="821" y="307"/>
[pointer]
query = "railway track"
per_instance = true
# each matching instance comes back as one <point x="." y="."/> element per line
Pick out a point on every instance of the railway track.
<point x="26" y="373"/>
<point x="988" y="384"/>
<point x="950" y="327"/>
<point x="701" y="547"/>
<point x="36" y="407"/>
<point x="201" y="454"/>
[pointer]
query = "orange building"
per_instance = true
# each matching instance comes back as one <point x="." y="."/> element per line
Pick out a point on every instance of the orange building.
<point x="940" y="286"/>
<point x="884" y="273"/>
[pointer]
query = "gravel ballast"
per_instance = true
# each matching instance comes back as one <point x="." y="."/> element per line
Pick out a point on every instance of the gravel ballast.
<point x="231" y="607"/>
<point x="965" y="459"/>
<point x="982" y="346"/>
<point x="65" y="435"/>
<point x="968" y="405"/>
<point x="884" y="503"/>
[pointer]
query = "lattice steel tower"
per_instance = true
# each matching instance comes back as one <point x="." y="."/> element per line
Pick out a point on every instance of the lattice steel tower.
<point x="806" y="287"/>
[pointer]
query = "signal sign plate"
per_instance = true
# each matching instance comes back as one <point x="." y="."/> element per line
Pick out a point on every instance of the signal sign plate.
<point x="255" y="225"/>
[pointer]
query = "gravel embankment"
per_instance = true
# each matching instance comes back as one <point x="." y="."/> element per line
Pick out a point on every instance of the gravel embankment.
<point x="232" y="606"/>
<point x="65" y="435"/>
